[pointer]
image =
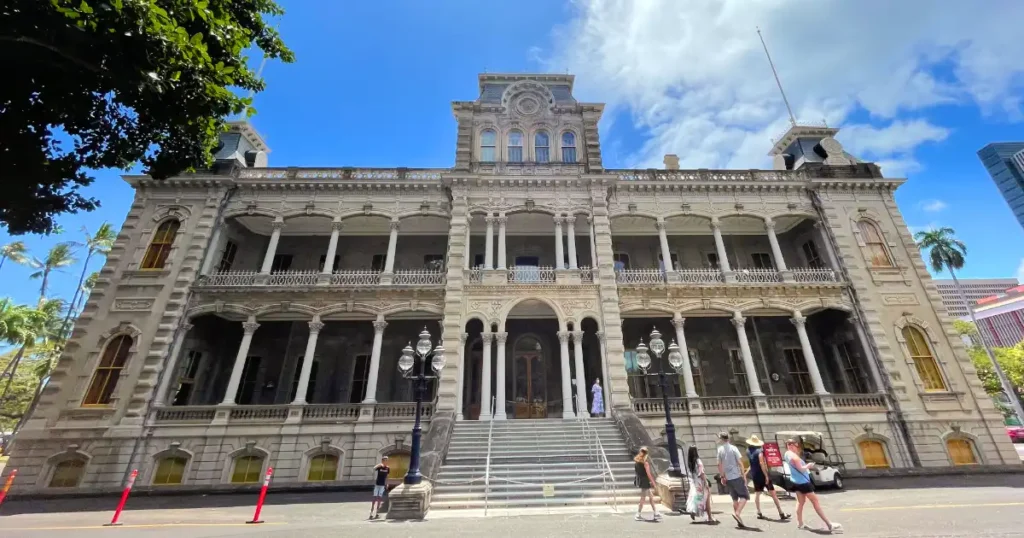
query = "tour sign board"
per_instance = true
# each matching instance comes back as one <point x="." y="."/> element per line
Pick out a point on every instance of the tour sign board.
<point x="772" y="455"/>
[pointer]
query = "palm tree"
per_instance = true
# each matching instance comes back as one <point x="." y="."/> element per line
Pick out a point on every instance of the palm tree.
<point x="946" y="252"/>
<point x="60" y="256"/>
<point x="15" y="251"/>
<point x="100" y="243"/>
<point x="41" y="327"/>
<point x="87" y="286"/>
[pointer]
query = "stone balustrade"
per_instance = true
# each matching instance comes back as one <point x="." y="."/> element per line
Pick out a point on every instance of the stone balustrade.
<point x="280" y="413"/>
<point x="784" y="404"/>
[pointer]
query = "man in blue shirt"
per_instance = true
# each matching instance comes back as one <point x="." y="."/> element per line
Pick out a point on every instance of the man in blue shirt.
<point x="733" y="476"/>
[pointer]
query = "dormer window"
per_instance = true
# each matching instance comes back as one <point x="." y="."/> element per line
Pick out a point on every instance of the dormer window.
<point x="568" y="147"/>
<point x="488" y="145"/>
<point x="541" y="147"/>
<point x="515" y="147"/>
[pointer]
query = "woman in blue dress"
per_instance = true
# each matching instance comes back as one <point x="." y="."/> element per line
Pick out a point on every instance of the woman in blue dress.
<point x="597" y="407"/>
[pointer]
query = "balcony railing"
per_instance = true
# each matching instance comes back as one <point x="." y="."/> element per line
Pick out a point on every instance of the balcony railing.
<point x="790" y="403"/>
<point x="293" y="278"/>
<point x="758" y="276"/>
<point x="355" y="277"/>
<point x="401" y="411"/>
<point x="785" y="404"/>
<point x="586" y="275"/>
<point x="700" y="276"/>
<point x="530" y="274"/>
<point x="655" y="406"/>
<point x="331" y="412"/>
<point x="278" y="414"/>
<point x="640" y="276"/>
<point x="419" y="277"/>
<point x="476" y="276"/>
<point x="813" y="274"/>
<point x="430" y="174"/>
<point x="854" y="402"/>
<point x="186" y="415"/>
<point x="259" y="413"/>
<point x="229" y="279"/>
<point x="727" y="404"/>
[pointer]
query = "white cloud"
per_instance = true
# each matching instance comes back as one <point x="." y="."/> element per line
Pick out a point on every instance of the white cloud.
<point x="932" y="206"/>
<point x="694" y="77"/>
<point x="1020" y="271"/>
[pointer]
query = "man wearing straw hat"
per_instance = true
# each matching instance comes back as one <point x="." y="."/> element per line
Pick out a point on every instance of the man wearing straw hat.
<point x="762" y="480"/>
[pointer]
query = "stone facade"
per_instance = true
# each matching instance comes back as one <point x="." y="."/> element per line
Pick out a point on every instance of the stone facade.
<point x="250" y="317"/>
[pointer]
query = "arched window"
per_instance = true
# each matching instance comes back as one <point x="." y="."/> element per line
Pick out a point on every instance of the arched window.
<point x="873" y="454"/>
<point x="961" y="451"/>
<point x="115" y="355"/>
<point x="515" y="147"/>
<point x="924" y="361"/>
<point x="170" y="471"/>
<point x="399" y="464"/>
<point x="541" y="147"/>
<point x="247" y="470"/>
<point x="568" y="147"/>
<point x="323" y="467"/>
<point x="160" y="246"/>
<point x="67" y="474"/>
<point x="488" y="145"/>
<point x="878" y="253"/>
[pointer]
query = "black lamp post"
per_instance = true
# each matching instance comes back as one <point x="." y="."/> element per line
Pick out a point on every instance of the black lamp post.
<point x="675" y="358"/>
<point x="406" y="364"/>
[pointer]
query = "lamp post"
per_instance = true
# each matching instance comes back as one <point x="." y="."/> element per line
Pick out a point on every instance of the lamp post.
<point x="406" y="365"/>
<point x="675" y="359"/>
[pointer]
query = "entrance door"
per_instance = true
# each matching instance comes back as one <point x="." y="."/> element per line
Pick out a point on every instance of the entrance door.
<point x="529" y="379"/>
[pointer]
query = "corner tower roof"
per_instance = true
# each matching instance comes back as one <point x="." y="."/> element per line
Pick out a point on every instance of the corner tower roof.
<point x="493" y="85"/>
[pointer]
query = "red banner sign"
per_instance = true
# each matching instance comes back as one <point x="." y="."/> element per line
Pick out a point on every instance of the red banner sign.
<point x="772" y="455"/>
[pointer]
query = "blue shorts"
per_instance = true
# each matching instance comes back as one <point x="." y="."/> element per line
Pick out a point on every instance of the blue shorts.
<point x="379" y="491"/>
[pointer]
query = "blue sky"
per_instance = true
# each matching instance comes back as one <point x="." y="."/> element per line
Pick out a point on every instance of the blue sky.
<point x="918" y="90"/>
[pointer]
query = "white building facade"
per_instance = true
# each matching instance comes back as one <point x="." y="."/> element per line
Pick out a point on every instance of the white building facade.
<point x="250" y="316"/>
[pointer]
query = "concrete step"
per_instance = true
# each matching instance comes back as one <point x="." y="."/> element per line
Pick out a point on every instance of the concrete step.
<point x="621" y="499"/>
<point x="527" y="469"/>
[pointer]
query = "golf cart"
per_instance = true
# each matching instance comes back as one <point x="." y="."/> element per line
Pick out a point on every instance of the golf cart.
<point x="827" y="471"/>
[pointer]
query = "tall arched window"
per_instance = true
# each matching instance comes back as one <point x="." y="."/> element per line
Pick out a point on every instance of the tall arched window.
<point x="247" y="470"/>
<point x="924" y="361"/>
<point x="873" y="454"/>
<point x="541" y="147"/>
<point x="160" y="246"/>
<point x="515" y="147"/>
<point x="323" y="467"/>
<point x="961" y="452"/>
<point x="115" y="354"/>
<point x="568" y="147"/>
<point x="67" y="474"/>
<point x="399" y="464"/>
<point x="878" y="253"/>
<point x="488" y="145"/>
<point x="170" y="471"/>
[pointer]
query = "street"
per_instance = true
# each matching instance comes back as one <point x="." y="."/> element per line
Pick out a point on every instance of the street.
<point x="978" y="506"/>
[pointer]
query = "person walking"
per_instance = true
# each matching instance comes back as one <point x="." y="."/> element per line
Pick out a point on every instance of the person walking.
<point x="698" y="504"/>
<point x="380" y="486"/>
<point x="644" y="479"/>
<point x="597" y="406"/>
<point x="800" y="475"/>
<point x="733" y="476"/>
<point x="762" y="479"/>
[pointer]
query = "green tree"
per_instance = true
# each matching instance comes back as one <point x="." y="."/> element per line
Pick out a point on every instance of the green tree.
<point x="109" y="83"/>
<point x="100" y="243"/>
<point x="16" y="251"/>
<point x="42" y="327"/>
<point x="60" y="256"/>
<point x="86" y="289"/>
<point x="14" y="404"/>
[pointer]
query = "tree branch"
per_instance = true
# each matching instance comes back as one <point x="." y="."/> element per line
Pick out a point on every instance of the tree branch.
<point x="67" y="56"/>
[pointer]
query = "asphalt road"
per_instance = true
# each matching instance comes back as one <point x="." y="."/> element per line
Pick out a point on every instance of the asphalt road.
<point x="935" y="507"/>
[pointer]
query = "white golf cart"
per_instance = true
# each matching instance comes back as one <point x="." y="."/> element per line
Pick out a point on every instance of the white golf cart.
<point x="827" y="471"/>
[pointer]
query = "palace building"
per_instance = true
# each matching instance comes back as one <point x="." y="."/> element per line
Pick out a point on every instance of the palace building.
<point x="251" y="316"/>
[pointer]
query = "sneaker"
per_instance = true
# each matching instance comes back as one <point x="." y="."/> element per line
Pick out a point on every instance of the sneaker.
<point x="783" y="517"/>
<point x="638" y="517"/>
<point x="657" y="516"/>
<point x="836" y="528"/>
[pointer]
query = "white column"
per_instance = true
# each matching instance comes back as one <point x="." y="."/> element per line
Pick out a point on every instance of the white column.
<point x="213" y="250"/>
<point x="563" y="339"/>
<point x="800" y="322"/>
<point x="570" y="222"/>
<point x="332" y="247"/>
<point x="502" y="220"/>
<point x="489" y="243"/>
<point x="462" y="376"/>
<point x="604" y="374"/>
<point x="581" y="379"/>
<point x="485" y="377"/>
<point x="248" y="328"/>
<point x="691" y="390"/>
<point x="499" y="408"/>
<point x="723" y="259"/>
<point x="748" y="360"/>
<point x="371" y="382"/>
<point x="275" y="237"/>
<point x="666" y="254"/>
<point x="593" y="243"/>
<point x="173" y="373"/>
<point x="389" y="265"/>
<point x="780" y="263"/>
<point x="468" y="262"/>
<point x="559" y="253"/>
<point x="307" y="361"/>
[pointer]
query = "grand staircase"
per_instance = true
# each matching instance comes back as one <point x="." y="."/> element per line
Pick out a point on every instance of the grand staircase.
<point x="535" y="463"/>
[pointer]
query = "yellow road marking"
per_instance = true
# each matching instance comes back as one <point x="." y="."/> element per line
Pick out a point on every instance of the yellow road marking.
<point x="927" y="506"/>
<point x="143" y="526"/>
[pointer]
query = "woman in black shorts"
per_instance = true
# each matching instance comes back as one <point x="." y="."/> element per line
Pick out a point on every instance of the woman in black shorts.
<point x="644" y="479"/>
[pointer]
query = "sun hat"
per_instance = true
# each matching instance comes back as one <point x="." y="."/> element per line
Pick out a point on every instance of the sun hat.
<point x="754" y="440"/>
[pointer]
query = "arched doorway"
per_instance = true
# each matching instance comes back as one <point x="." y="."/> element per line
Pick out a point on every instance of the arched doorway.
<point x="529" y="378"/>
<point x="537" y="383"/>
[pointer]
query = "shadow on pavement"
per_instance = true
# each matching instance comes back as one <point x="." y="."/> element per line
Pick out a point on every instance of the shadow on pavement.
<point x="1014" y="480"/>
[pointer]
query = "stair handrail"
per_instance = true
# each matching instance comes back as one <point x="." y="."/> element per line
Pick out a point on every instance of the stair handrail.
<point x="609" y="477"/>
<point x="599" y="454"/>
<point x="487" y="465"/>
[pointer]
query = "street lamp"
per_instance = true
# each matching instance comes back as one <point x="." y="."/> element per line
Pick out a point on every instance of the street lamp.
<point x="406" y="365"/>
<point x="675" y="359"/>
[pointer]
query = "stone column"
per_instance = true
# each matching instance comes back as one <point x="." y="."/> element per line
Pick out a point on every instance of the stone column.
<point x="467" y="261"/>
<point x="502" y="221"/>
<point x="800" y="322"/>
<point x="780" y="262"/>
<point x="332" y="247"/>
<point x="865" y="345"/>
<point x="748" y="360"/>
<point x="173" y="373"/>
<point x="214" y="248"/>
<point x="604" y="374"/>
<point x="489" y="243"/>
<point x="378" y="338"/>
<point x="570" y="222"/>
<point x="461" y="370"/>
<point x="307" y="360"/>
<point x="389" y="264"/>
<point x="723" y="259"/>
<point x="581" y="378"/>
<point x="248" y="329"/>
<point x="485" y="376"/>
<point x="678" y="322"/>
<point x="499" y="407"/>
<point x="666" y="254"/>
<point x="563" y="339"/>
<point x="275" y="237"/>
<point x="593" y="244"/>
<point x="559" y="254"/>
